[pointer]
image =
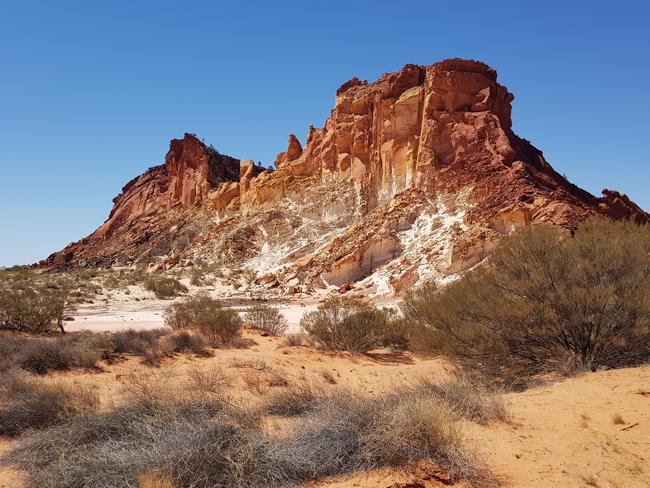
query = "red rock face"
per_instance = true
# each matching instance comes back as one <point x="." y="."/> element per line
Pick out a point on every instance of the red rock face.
<point x="195" y="169"/>
<point x="147" y="203"/>
<point x="417" y="173"/>
<point x="442" y="129"/>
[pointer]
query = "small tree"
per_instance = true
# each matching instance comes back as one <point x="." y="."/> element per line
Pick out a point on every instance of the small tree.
<point x="35" y="308"/>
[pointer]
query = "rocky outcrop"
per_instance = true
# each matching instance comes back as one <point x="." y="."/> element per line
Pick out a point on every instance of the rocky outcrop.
<point x="193" y="170"/>
<point x="416" y="175"/>
<point x="293" y="152"/>
<point x="149" y="205"/>
<point x="442" y="128"/>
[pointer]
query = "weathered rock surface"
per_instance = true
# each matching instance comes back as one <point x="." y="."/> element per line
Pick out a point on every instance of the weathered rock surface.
<point x="414" y="176"/>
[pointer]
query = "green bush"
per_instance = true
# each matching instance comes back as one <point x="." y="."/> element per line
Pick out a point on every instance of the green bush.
<point x="34" y="308"/>
<point x="165" y="287"/>
<point x="266" y="318"/>
<point x="343" y="324"/>
<point x="206" y="316"/>
<point x="546" y="302"/>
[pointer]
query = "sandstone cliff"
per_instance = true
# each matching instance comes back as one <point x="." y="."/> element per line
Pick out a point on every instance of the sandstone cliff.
<point x="414" y="176"/>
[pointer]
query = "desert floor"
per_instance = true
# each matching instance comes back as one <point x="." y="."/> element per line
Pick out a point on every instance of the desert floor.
<point x="150" y="314"/>
<point x="559" y="434"/>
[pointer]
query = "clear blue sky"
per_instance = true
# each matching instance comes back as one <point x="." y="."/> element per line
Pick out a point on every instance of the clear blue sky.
<point x="91" y="92"/>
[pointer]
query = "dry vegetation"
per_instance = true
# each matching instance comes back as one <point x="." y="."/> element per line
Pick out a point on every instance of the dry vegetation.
<point x="546" y="303"/>
<point x="345" y="324"/>
<point x="27" y="402"/>
<point x="165" y="287"/>
<point x="206" y="316"/>
<point x="267" y="319"/>
<point x="194" y="432"/>
<point x="543" y="303"/>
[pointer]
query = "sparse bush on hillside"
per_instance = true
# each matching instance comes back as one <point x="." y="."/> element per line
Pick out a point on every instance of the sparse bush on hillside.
<point x="546" y="302"/>
<point x="165" y="287"/>
<point x="206" y="316"/>
<point x="27" y="403"/>
<point x="344" y="324"/>
<point x="266" y="318"/>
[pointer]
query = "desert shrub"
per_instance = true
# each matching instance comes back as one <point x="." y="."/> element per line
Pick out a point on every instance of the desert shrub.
<point x="223" y="326"/>
<point x="343" y="324"/>
<point x="27" y="403"/>
<point x="398" y="333"/>
<point x="136" y="341"/>
<point x="206" y="316"/>
<point x="296" y="340"/>
<point x="266" y="318"/>
<point x="165" y="287"/>
<point x="34" y="308"/>
<point x="86" y="349"/>
<point x="186" y="341"/>
<point x="547" y="302"/>
<point x="191" y="311"/>
<point x="43" y="354"/>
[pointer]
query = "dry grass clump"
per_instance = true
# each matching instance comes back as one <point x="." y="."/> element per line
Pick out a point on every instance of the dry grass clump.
<point x="191" y="444"/>
<point x="466" y="399"/>
<point x="546" y="302"/>
<point x="203" y="438"/>
<point x="345" y="432"/>
<point x="165" y="287"/>
<point x="206" y="316"/>
<point x="212" y="380"/>
<point x="297" y="340"/>
<point x="28" y="403"/>
<point x="267" y="319"/>
<point x="295" y="399"/>
<point x="42" y="354"/>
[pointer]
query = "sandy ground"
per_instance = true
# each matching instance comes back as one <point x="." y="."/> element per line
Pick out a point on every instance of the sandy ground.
<point x="101" y="319"/>
<point x="559" y="435"/>
<point x="564" y="434"/>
